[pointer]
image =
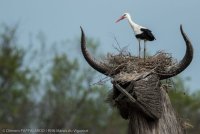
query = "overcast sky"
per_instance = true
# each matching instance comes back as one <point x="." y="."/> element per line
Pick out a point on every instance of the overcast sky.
<point x="60" y="19"/>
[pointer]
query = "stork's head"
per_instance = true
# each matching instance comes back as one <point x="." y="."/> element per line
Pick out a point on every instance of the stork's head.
<point x="125" y="15"/>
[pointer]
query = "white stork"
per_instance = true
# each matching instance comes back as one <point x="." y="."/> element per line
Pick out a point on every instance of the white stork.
<point x="141" y="33"/>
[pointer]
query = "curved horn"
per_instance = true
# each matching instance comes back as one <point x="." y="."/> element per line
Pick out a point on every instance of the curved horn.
<point x="184" y="63"/>
<point x="91" y="61"/>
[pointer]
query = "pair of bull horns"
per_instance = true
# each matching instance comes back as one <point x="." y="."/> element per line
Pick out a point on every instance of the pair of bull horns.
<point x="172" y="71"/>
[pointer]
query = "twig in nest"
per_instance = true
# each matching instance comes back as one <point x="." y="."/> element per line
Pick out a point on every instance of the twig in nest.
<point x="101" y="81"/>
<point x="117" y="42"/>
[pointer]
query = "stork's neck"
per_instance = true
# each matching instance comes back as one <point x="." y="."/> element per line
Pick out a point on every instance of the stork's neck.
<point x="132" y="23"/>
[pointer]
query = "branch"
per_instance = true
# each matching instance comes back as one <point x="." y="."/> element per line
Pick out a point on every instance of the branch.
<point x="123" y="91"/>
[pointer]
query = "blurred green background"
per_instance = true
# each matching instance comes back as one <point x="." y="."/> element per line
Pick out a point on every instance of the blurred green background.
<point x="59" y="93"/>
<point x="46" y="83"/>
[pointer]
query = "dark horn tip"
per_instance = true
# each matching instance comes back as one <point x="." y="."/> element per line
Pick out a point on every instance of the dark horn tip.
<point x="181" y="28"/>
<point x="184" y="34"/>
<point x="82" y="35"/>
<point x="81" y="29"/>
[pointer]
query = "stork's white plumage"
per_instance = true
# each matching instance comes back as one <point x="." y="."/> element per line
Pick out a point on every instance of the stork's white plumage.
<point x="141" y="33"/>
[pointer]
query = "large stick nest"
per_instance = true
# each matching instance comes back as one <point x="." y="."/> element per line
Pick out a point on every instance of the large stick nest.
<point x="130" y="67"/>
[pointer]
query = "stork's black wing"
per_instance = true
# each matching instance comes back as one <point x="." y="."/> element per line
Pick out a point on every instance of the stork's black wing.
<point x="148" y="34"/>
<point x="145" y="30"/>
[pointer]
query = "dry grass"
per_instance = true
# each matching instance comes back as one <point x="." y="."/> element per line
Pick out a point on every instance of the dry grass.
<point x="130" y="67"/>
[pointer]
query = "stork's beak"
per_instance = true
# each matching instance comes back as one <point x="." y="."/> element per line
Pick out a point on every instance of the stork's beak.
<point x="121" y="18"/>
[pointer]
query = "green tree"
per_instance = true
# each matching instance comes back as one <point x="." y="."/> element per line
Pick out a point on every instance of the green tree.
<point x="187" y="105"/>
<point x="16" y="83"/>
<point x="71" y="102"/>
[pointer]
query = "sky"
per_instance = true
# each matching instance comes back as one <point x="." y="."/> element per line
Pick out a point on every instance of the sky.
<point x="61" y="19"/>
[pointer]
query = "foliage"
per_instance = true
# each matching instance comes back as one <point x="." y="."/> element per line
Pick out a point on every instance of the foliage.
<point x="16" y="83"/>
<point x="187" y="105"/>
<point x="71" y="102"/>
<point x="67" y="98"/>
